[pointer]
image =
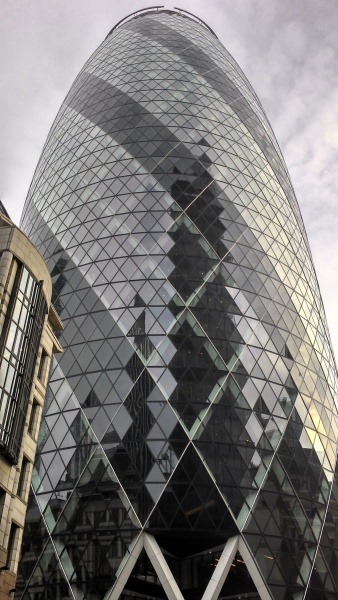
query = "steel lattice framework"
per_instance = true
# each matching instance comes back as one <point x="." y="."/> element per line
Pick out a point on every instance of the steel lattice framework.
<point x="191" y="420"/>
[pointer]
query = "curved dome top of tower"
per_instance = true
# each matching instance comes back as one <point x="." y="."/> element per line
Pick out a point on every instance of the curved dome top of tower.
<point x="156" y="9"/>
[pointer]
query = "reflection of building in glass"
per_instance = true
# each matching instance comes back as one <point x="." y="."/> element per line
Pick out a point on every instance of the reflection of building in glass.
<point x="190" y="430"/>
<point x="27" y="341"/>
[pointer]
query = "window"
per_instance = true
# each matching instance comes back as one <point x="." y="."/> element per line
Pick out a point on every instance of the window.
<point x="20" y="339"/>
<point x="23" y="478"/>
<point x="42" y="372"/>
<point x="12" y="546"/>
<point x="33" y="419"/>
<point x="2" y="501"/>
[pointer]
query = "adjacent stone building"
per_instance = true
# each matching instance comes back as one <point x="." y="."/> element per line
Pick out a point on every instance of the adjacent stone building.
<point x="27" y="341"/>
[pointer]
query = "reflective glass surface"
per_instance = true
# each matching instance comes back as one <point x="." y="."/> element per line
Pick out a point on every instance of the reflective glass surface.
<point x="195" y="398"/>
<point x="19" y="342"/>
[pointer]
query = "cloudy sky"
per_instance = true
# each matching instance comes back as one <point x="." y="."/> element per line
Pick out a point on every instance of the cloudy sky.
<point x="287" y="48"/>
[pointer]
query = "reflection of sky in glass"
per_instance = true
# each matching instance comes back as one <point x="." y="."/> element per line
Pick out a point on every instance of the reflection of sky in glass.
<point x="196" y="385"/>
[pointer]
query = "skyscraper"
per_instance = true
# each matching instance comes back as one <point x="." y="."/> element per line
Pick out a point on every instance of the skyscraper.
<point x="189" y="441"/>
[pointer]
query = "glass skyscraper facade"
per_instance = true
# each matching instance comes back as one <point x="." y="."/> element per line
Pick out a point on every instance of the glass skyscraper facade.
<point x="188" y="446"/>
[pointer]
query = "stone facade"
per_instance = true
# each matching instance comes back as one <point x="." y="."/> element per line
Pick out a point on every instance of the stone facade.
<point x="19" y="258"/>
